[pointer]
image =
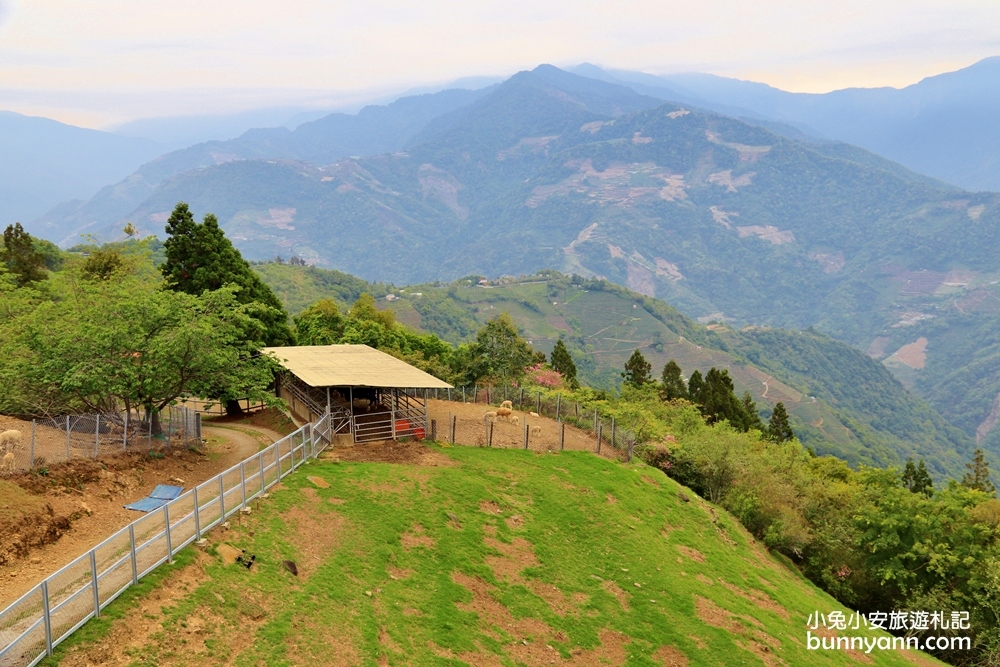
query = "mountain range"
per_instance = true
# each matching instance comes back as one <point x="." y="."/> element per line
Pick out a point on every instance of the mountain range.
<point x="747" y="220"/>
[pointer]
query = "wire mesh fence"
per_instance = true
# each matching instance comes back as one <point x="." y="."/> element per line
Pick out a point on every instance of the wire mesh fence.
<point x="522" y="427"/>
<point x="58" y="439"/>
<point x="64" y="601"/>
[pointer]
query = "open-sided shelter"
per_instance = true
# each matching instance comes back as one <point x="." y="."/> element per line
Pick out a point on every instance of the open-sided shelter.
<point x="368" y="393"/>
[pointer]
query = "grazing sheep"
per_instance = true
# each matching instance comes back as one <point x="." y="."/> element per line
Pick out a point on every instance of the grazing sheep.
<point x="534" y="414"/>
<point x="504" y="413"/>
<point x="10" y="440"/>
<point x="491" y="416"/>
<point x="515" y="420"/>
<point x="536" y="430"/>
<point x="7" y="466"/>
<point x="507" y="404"/>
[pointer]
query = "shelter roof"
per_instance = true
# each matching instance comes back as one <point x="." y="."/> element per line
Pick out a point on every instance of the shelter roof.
<point x="352" y="366"/>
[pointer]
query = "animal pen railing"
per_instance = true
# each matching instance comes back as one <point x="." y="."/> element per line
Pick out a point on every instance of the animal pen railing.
<point x="64" y="601"/>
<point x="57" y="439"/>
<point x="606" y="437"/>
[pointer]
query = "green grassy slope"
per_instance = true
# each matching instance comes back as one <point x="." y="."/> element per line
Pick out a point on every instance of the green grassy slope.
<point x="842" y="403"/>
<point x="487" y="557"/>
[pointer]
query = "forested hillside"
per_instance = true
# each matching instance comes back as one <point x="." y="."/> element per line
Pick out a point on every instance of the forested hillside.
<point x="841" y="401"/>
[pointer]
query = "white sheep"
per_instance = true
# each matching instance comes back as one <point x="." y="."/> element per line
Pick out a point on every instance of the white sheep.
<point x="507" y="404"/>
<point x="7" y="465"/>
<point x="534" y="414"/>
<point x="515" y="420"/>
<point x="10" y="441"/>
<point x="491" y="416"/>
<point x="536" y="430"/>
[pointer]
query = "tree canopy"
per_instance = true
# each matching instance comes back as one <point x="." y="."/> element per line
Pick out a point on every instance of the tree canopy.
<point x="637" y="370"/>
<point x="562" y="362"/>
<point x="21" y="257"/>
<point x="200" y="258"/>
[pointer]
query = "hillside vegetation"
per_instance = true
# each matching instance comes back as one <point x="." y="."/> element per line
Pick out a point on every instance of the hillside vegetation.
<point x="479" y="557"/>
<point x="843" y="403"/>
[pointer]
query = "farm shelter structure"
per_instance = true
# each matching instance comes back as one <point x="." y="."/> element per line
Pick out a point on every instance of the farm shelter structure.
<point x="369" y="394"/>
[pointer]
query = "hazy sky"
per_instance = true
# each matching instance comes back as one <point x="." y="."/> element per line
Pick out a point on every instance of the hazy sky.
<point x="95" y="62"/>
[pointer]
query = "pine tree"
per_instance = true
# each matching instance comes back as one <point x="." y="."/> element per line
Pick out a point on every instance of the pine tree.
<point x="562" y="361"/>
<point x="751" y="416"/>
<point x="200" y="258"/>
<point x="637" y="370"/>
<point x="20" y="256"/>
<point x="673" y="382"/>
<point x="696" y="388"/>
<point x="978" y="477"/>
<point x="909" y="474"/>
<point x="778" y="428"/>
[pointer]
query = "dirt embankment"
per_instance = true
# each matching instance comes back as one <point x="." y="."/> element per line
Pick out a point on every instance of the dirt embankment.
<point x="51" y="515"/>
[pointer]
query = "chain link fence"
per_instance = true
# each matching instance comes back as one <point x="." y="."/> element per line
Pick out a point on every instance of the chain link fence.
<point x="58" y="439"/>
<point x="592" y="432"/>
<point x="64" y="601"/>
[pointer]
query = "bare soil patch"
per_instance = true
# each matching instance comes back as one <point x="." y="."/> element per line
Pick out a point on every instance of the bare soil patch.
<point x="620" y="595"/>
<point x="693" y="554"/>
<point x="671" y="656"/>
<point x="415" y="537"/>
<point x="746" y="628"/>
<point x="389" y="451"/>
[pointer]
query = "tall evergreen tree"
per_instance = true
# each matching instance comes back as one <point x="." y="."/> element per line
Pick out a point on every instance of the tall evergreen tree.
<point x="696" y="387"/>
<point x="978" y="475"/>
<point x="751" y="416"/>
<point x="562" y="361"/>
<point x="20" y="256"/>
<point x="673" y="382"/>
<point x="719" y="400"/>
<point x="778" y="428"/>
<point x="637" y="370"/>
<point x="499" y="353"/>
<point x="916" y="478"/>
<point x="200" y="258"/>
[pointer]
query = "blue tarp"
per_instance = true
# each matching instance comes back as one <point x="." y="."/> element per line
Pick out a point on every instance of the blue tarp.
<point x="160" y="496"/>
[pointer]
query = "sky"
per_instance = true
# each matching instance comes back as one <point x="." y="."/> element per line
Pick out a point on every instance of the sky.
<point x="99" y="62"/>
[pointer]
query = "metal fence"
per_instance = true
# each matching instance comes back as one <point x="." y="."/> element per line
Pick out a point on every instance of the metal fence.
<point x="64" y="601"/>
<point x="58" y="439"/>
<point x="605" y="436"/>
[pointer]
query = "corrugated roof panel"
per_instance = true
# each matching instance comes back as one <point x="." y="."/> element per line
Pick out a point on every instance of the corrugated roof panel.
<point x="352" y="366"/>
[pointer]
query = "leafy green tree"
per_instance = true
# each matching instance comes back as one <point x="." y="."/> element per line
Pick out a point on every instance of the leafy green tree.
<point x="320" y="324"/>
<point x="113" y="345"/>
<point x="102" y="263"/>
<point x="637" y="370"/>
<point x="672" y="382"/>
<point x="978" y="475"/>
<point x="499" y="353"/>
<point x="562" y="361"/>
<point x="200" y="258"/>
<point x="719" y="400"/>
<point x="365" y="309"/>
<point x="19" y="254"/>
<point x="778" y="428"/>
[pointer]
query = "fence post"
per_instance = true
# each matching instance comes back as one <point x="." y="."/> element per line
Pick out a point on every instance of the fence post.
<point x="520" y="400"/>
<point x="538" y="403"/>
<point x="222" y="501"/>
<point x="489" y="399"/>
<point x="434" y="430"/>
<point x="558" y="405"/>
<point x="97" y="435"/>
<point x="449" y="394"/>
<point x="32" y="444"/>
<point x="260" y="460"/>
<point x="631" y="445"/>
<point x="125" y="431"/>
<point x="475" y="393"/>
<point x="525" y="432"/>
<point x="197" y="425"/>
<point x="197" y="515"/>
<point x="277" y="458"/>
<point x="67" y="437"/>
<point x="578" y="409"/>
<point x="486" y="428"/>
<point x="463" y="394"/>
<point x="454" y="427"/>
<point x="562" y="435"/>
<point x="47" y="617"/>
<point x="600" y="427"/>
<point x="131" y="543"/>
<point x="243" y="484"/>
<point x="613" y="433"/>
<point x="489" y="441"/>
<point x="166" y="522"/>
<point x="93" y="581"/>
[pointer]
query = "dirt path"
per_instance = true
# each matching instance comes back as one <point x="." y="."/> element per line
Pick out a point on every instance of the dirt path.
<point x="95" y="510"/>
